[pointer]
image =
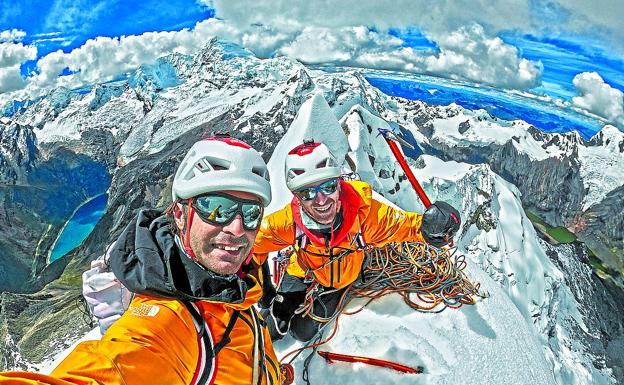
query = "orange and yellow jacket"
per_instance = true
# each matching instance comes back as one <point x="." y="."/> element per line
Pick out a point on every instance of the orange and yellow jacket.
<point x="171" y="327"/>
<point x="168" y="352"/>
<point x="336" y="260"/>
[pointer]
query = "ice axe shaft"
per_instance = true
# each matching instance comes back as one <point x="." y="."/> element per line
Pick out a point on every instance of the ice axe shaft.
<point x="331" y="357"/>
<point x="391" y="139"/>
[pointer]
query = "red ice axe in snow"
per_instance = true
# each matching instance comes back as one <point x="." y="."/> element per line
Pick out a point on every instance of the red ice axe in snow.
<point x="331" y="357"/>
<point x="391" y="139"/>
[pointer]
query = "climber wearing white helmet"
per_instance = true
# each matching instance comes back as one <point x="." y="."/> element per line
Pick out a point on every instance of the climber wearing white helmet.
<point x="216" y="181"/>
<point x="195" y="284"/>
<point x="330" y="222"/>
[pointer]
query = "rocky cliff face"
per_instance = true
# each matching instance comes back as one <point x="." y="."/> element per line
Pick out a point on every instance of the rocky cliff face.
<point x="602" y="225"/>
<point x="602" y="309"/>
<point x="18" y="150"/>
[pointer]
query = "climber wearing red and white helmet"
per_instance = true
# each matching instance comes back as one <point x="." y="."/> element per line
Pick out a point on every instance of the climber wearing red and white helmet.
<point x="330" y="221"/>
<point x="217" y="180"/>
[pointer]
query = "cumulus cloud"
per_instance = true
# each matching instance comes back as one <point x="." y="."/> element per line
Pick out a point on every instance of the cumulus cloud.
<point x="467" y="54"/>
<point x="434" y="16"/>
<point x="322" y="45"/>
<point x="15" y="53"/>
<point x="599" y="97"/>
<point x="12" y="35"/>
<point x="103" y="58"/>
<point x="12" y="55"/>
<point x="602" y="18"/>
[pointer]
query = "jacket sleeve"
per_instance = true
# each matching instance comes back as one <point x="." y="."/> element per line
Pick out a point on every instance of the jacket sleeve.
<point x="276" y="232"/>
<point x="129" y="353"/>
<point x="385" y="224"/>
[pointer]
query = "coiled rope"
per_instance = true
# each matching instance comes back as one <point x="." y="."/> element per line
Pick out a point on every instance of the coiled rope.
<point x="428" y="278"/>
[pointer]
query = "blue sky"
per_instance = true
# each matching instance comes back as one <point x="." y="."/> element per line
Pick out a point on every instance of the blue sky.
<point x="563" y="59"/>
<point x="546" y="44"/>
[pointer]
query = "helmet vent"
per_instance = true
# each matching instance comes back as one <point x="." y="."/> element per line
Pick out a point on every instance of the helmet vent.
<point x="322" y="164"/>
<point x="260" y="171"/>
<point x="216" y="164"/>
<point x="297" y="171"/>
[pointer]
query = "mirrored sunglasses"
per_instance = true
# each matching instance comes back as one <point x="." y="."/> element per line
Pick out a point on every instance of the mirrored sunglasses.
<point x="326" y="188"/>
<point x="221" y="209"/>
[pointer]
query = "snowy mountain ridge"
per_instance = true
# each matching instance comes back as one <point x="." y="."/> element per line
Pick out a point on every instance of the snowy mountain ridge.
<point x="601" y="158"/>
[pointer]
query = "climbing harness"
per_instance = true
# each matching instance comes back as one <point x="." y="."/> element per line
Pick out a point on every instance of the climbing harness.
<point x="313" y="295"/>
<point x="280" y="264"/>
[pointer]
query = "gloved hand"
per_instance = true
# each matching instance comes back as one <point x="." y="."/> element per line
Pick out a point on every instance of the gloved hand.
<point x="440" y="223"/>
<point x="107" y="298"/>
<point x="268" y="290"/>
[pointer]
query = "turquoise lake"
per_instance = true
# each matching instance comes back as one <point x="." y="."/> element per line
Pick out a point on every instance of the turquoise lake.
<point x="79" y="226"/>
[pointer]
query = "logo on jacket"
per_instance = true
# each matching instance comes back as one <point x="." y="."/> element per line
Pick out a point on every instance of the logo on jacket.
<point x="144" y="310"/>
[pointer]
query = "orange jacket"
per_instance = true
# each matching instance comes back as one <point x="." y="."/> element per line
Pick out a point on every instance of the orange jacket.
<point x="377" y="222"/>
<point x="155" y="342"/>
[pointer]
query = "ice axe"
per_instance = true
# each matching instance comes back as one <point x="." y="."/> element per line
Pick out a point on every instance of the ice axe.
<point x="332" y="357"/>
<point x="391" y="139"/>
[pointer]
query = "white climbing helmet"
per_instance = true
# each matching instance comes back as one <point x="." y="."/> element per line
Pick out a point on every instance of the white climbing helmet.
<point x="310" y="162"/>
<point x="222" y="163"/>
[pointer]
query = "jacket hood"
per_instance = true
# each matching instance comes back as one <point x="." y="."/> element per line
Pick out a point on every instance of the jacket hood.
<point x="147" y="261"/>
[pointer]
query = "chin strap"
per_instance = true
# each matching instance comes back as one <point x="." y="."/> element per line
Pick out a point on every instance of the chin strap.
<point x="190" y="211"/>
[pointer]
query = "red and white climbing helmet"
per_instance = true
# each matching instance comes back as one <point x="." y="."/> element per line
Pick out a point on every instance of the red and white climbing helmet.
<point x="222" y="163"/>
<point x="310" y="162"/>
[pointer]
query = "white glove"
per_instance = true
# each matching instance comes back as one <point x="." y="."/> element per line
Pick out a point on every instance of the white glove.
<point x="107" y="298"/>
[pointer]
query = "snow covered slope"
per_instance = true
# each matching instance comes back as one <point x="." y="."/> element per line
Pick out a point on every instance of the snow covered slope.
<point x="485" y="344"/>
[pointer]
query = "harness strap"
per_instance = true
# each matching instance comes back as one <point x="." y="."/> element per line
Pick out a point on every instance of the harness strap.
<point x="205" y="372"/>
<point x="226" y="335"/>
<point x="187" y="230"/>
